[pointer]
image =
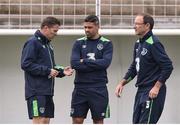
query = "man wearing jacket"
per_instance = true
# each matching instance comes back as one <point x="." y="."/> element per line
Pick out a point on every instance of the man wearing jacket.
<point x="91" y="56"/>
<point x="152" y="67"/>
<point x="40" y="69"/>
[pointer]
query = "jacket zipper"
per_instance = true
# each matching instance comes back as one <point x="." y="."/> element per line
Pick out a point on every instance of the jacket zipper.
<point x="50" y="56"/>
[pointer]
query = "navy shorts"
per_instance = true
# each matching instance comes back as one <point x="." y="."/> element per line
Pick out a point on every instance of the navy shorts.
<point x="146" y="110"/>
<point x="95" y="99"/>
<point x="40" y="106"/>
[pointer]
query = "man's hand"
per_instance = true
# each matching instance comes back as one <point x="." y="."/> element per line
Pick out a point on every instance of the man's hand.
<point x="53" y="73"/>
<point x="68" y="71"/>
<point x="155" y="90"/>
<point x="119" y="89"/>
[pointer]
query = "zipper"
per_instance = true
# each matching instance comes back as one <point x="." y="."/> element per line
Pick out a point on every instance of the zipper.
<point x="50" y="56"/>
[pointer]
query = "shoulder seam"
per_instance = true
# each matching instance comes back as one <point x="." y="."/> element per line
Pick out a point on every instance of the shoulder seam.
<point x="103" y="39"/>
<point x="82" y="38"/>
<point x="150" y="40"/>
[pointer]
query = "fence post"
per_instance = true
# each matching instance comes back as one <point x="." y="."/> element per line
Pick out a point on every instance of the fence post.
<point x="98" y="10"/>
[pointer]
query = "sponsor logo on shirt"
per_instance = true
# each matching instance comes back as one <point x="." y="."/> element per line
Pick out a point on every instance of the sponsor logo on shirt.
<point x="91" y="56"/>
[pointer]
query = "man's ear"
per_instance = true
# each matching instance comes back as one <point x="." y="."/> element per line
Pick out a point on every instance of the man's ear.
<point x="148" y="25"/>
<point x="45" y="27"/>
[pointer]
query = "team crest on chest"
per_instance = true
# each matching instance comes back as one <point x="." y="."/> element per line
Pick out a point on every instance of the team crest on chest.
<point x="144" y="51"/>
<point x="100" y="46"/>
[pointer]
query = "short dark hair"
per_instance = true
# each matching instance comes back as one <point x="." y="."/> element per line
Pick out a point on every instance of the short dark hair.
<point x="93" y="19"/>
<point x="148" y="19"/>
<point x="50" y="21"/>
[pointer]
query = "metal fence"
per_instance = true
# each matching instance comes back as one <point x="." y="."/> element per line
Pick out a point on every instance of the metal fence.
<point x="114" y="14"/>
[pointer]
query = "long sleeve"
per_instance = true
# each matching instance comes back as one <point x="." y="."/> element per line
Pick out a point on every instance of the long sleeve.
<point x="28" y="61"/>
<point x="105" y="61"/>
<point x="75" y="59"/>
<point x="163" y="60"/>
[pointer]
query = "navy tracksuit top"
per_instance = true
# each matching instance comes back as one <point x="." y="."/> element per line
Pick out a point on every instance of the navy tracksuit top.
<point x="37" y="60"/>
<point x="97" y="56"/>
<point x="150" y="62"/>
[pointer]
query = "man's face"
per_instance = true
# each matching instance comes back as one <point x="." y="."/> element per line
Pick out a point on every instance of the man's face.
<point x="51" y="32"/>
<point x="140" y="28"/>
<point x="91" y="29"/>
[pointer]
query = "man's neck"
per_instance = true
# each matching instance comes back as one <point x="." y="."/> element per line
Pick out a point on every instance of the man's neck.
<point x="141" y="36"/>
<point x="43" y="32"/>
<point x="96" y="36"/>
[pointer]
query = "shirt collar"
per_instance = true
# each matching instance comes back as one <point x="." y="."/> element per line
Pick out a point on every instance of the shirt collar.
<point x="146" y="36"/>
<point x="41" y="37"/>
